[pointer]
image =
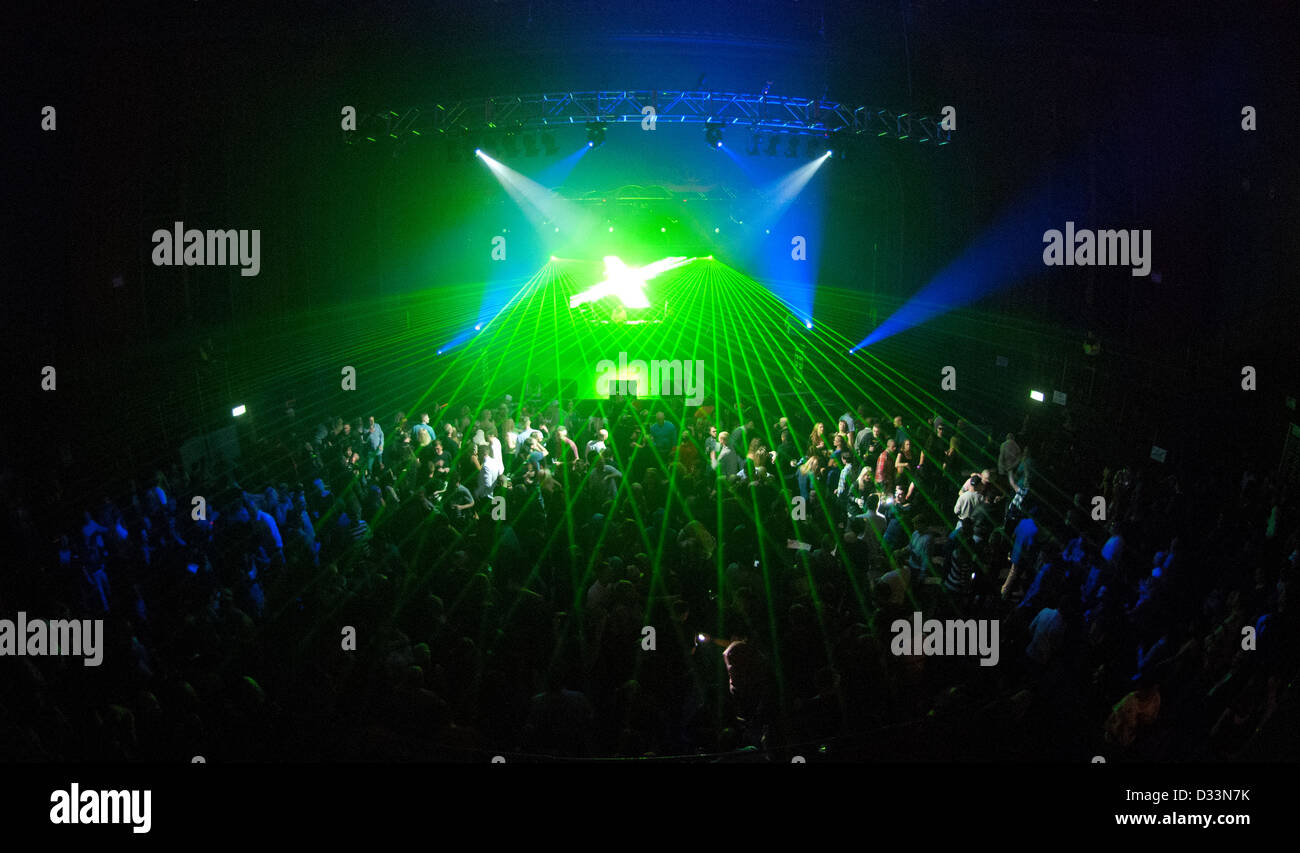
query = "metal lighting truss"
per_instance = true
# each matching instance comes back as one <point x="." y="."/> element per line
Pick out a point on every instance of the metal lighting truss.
<point x="758" y="113"/>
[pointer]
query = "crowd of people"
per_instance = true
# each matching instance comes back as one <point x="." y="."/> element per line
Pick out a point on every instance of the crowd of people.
<point x="535" y="580"/>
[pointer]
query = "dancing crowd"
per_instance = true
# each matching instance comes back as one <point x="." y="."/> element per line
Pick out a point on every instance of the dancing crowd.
<point x="540" y="581"/>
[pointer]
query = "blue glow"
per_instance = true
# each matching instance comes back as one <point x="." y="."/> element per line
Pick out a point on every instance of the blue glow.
<point x="1002" y="256"/>
<point x="558" y="172"/>
<point x="766" y="247"/>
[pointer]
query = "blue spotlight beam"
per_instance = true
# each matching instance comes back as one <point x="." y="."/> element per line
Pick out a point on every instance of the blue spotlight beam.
<point x="557" y="173"/>
<point x="1002" y="256"/>
<point x="1013" y="248"/>
<point x="793" y="281"/>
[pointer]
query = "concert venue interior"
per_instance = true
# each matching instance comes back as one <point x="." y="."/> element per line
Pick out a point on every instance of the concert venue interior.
<point x="816" y="381"/>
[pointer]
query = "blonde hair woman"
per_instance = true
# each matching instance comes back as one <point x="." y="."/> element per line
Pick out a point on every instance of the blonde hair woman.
<point x="817" y="438"/>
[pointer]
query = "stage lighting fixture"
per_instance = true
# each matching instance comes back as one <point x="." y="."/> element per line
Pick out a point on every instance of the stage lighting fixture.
<point x="548" y="143"/>
<point x="595" y="134"/>
<point x="530" y="145"/>
<point x="611" y="229"/>
<point x="238" y="410"/>
<point x="1037" y="396"/>
<point x="479" y="327"/>
<point x="713" y="135"/>
<point x="792" y="146"/>
<point x="772" y="142"/>
<point x="807" y="324"/>
<point x="662" y="229"/>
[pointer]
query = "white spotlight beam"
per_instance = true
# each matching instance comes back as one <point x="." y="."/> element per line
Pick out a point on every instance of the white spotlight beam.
<point x="536" y="200"/>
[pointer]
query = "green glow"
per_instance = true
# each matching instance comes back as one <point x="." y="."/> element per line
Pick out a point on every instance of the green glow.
<point x="754" y="349"/>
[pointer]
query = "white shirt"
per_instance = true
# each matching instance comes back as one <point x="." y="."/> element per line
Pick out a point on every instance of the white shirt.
<point x="967" y="502"/>
<point x="487" y="477"/>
